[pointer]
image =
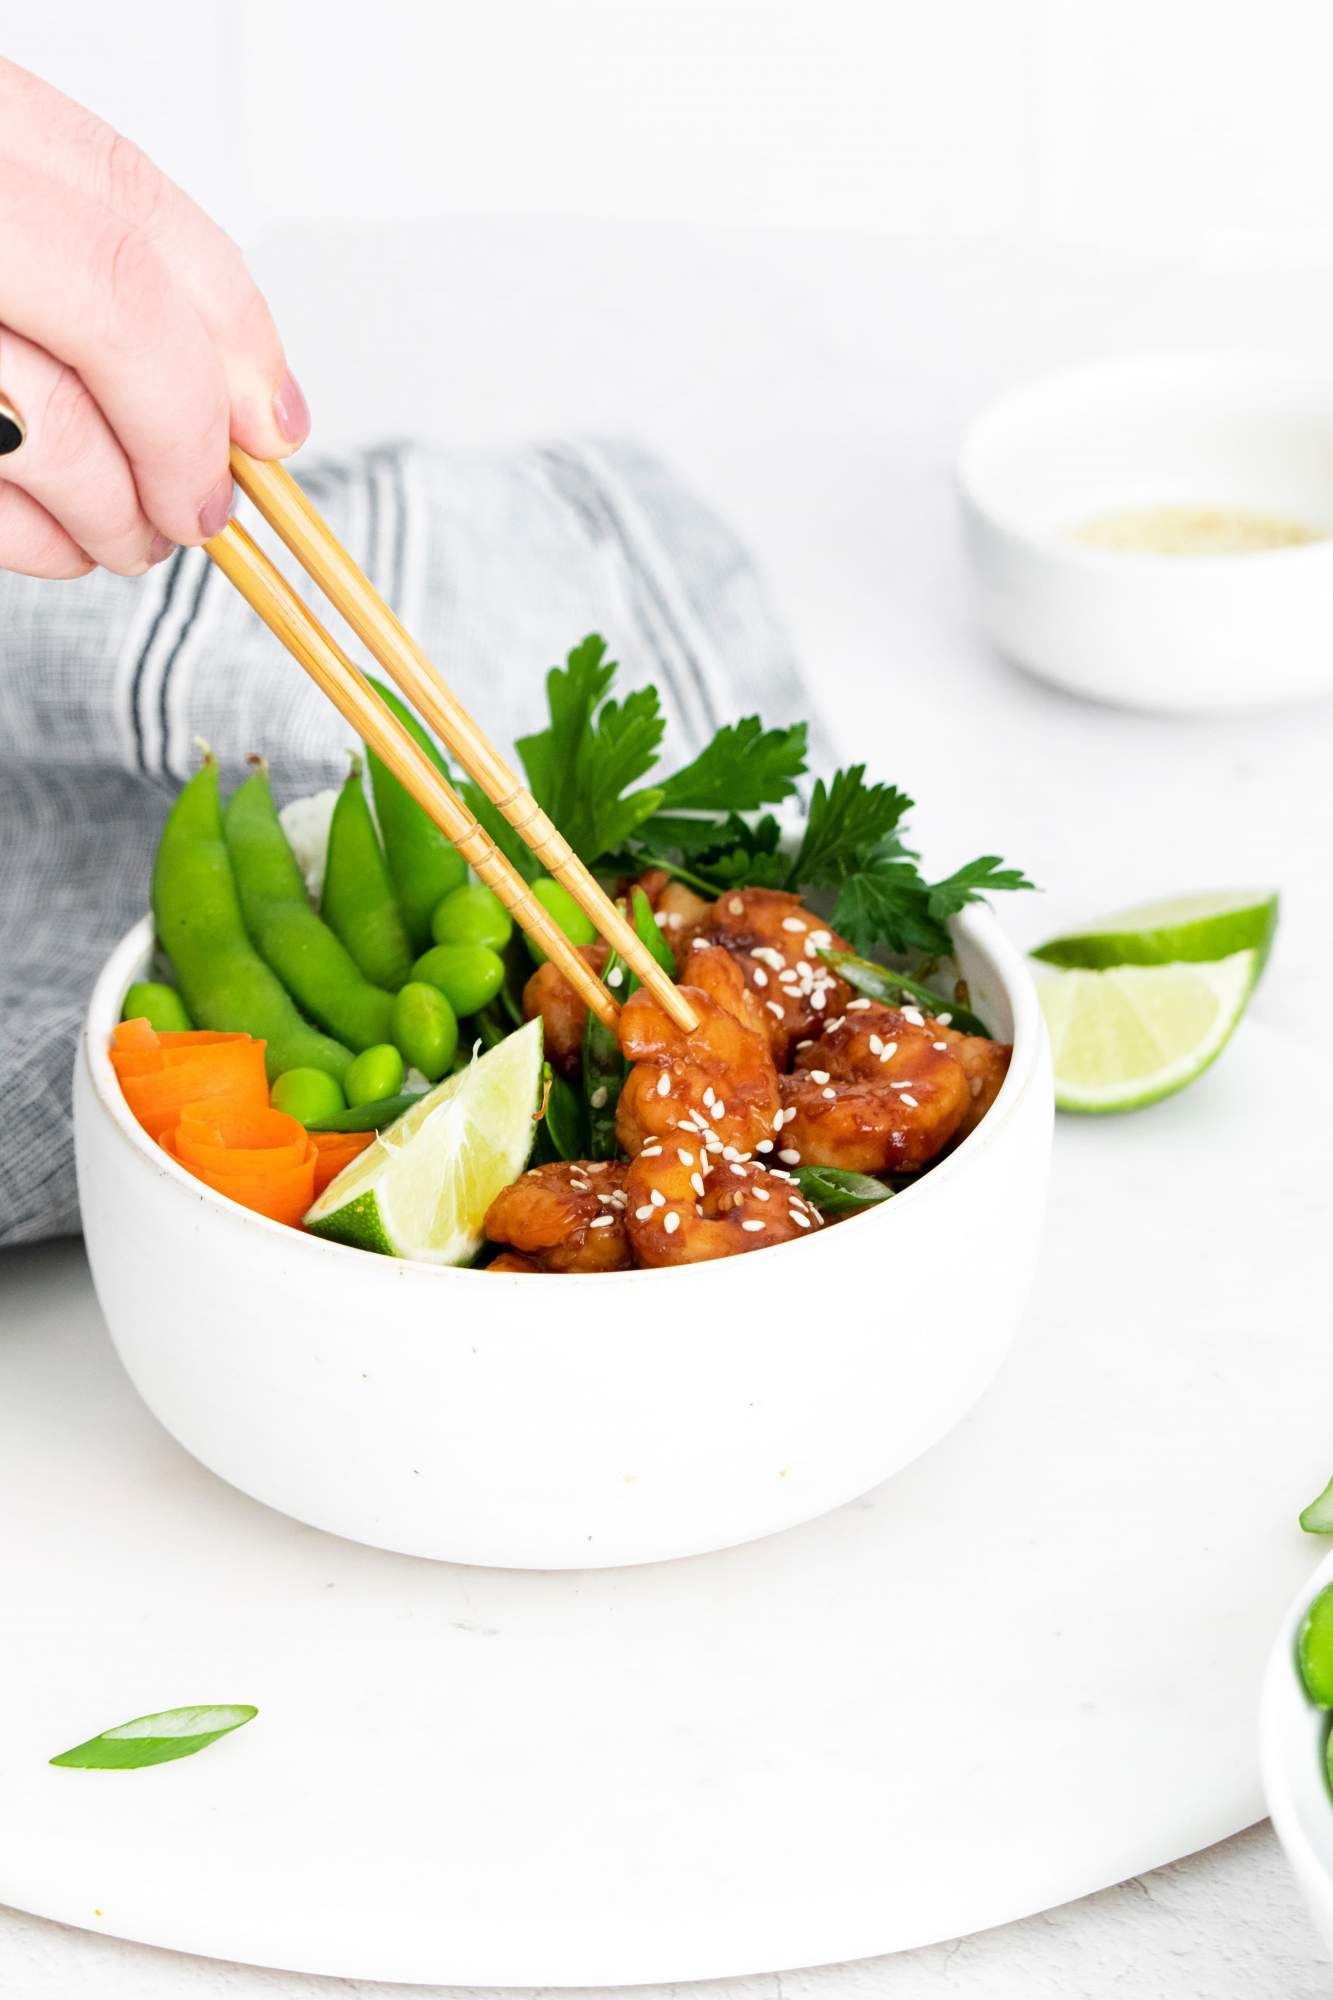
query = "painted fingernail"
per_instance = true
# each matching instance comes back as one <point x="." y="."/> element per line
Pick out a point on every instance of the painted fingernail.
<point x="214" y="513"/>
<point x="159" y="549"/>
<point x="291" y="412"/>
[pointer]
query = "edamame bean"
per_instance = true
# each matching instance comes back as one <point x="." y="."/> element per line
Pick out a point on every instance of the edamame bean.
<point x="468" y="975"/>
<point x="161" y="1006"/>
<point x="377" y="1073"/>
<point x="557" y="901"/>
<point x="473" y="914"/>
<point x="224" y="982"/>
<point x="425" y="1028"/>
<point x="423" y="864"/>
<point x="358" y="903"/>
<point x="307" y="1095"/>
<point x="318" y="972"/>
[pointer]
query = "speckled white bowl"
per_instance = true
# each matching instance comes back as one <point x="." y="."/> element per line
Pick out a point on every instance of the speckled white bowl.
<point x="1291" y="1757"/>
<point x="554" y="1423"/>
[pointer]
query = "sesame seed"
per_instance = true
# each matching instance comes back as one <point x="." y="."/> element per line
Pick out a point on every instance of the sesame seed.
<point x="822" y="938"/>
<point x="697" y="1183"/>
<point x="773" y="1008"/>
<point x="709" y="1093"/>
<point x="789" y="1156"/>
<point x="831" y="1027"/>
<point x="642" y="1214"/>
<point x="780" y="1173"/>
<point x="671" y="1223"/>
<point x="794" y="924"/>
<point x="818" y="998"/>
<point x="663" y="1084"/>
<point x="889" y="1049"/>
<point x="819" y="1076"/>
<point x="674" y="920"/>
<point x="650" y="1152"/>
<point x="760" y="1194"/>
<point x="736" y="906"/>
<point x="615" y="977"/>
<point x="759" y="976"/>
<point x="943" y="1019"/>
<point x="713" y="1143"/>
<point x="876" y="1045"/>
<point x="657" y="1198"/>
<point x="730" y="1153"/>
<point x="607" y="1200"/>
<point x="598" y="1098"/>
<point x="686" y="1159"/>
<point x="801" y="1221"/>
<point x="806" y="1044"/>
<point x="857" y="1006"/>
<point x="764" y="1146"/>
<point x="905" y="1099"/>
<point x="769" y="956"/>
<point x="940" y="1045"/>
<point x="915" y="1016"/>
<point x="757" y="1224"/>
<point x="661" y="919"/>
<point x="602" y="1222"/>
<point x="719" y="1111"/>
<point x="580" y="1187"/>
<point x="830" y="1092"/>
<point x="698" y="944"/>
<point x="737" y="1168"/>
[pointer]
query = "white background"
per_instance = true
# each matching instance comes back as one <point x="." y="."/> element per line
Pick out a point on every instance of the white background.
<point x="1026" y="181"/>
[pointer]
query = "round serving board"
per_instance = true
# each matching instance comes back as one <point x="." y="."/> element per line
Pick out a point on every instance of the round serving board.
<point x="1025" y="1668"/>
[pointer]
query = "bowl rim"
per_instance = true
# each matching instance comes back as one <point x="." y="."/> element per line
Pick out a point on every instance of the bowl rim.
<point x="977" y="925"/>
<point x="1221" y="365"/>
<point x="1291" y="1788"/>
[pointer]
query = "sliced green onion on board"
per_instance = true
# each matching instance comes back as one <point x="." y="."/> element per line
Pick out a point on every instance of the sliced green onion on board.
<point x="156" y="1739"/>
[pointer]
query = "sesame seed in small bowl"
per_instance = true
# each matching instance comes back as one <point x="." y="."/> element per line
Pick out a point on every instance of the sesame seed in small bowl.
<point x="1157" y="532"/>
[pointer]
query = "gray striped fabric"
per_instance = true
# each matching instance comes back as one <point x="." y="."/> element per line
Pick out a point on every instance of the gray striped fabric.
<point x="497" y="563"/>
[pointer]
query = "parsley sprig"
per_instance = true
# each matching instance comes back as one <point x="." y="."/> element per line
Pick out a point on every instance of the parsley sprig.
<point x="706" y="821"/>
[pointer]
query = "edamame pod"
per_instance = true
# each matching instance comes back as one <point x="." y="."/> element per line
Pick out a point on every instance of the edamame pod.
<point x="559" y="904"/>
<point x="423" y="864"/>
<point x="358" y="903"/>
<point x="223" y="980"/>
<point x="425" y="1028"/>
<point x="161" y="1006"/>
<point x="468" y="975"/>
<point x="318" y="972"/>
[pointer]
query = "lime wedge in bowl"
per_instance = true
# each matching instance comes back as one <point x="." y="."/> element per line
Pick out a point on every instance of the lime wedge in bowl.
<point x="1131" y="1035"/>
<point x="1177" y="930"/>
<point x="423" y="1187"/>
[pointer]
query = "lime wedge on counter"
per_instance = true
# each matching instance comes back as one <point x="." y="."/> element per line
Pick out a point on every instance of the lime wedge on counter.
<point x="1178" y="930"/>
<point x="423" y="1187"/>
<point x="1126" y="1037"/>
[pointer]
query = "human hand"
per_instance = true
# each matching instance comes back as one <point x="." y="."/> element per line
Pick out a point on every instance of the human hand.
<point x="134" y="346"/>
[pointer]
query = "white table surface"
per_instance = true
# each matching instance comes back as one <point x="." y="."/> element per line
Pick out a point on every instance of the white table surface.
<point x="814" y="388"/>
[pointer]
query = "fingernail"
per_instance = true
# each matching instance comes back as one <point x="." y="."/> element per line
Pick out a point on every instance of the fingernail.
<point x="159" y="549"/>
<point x="214" y="513"/>
<point x="291" y="412"/>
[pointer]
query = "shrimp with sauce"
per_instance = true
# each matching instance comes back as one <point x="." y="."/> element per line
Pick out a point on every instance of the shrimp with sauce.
<point x="776" y="942"/>
<point x="699" y="1116"/>
<point x="880" y="1091"/>
<point x="566" y="1216"/>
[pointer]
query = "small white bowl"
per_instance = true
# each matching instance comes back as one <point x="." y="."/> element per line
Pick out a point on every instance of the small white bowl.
<point x="1291" y="1759"/>
<point x="554" y="1423"/>
<point x="1168" y="633"/>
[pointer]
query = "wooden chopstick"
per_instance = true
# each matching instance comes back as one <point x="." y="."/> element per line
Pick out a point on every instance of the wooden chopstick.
<point x="267" y="591"/>
<point x="323" y="558"/>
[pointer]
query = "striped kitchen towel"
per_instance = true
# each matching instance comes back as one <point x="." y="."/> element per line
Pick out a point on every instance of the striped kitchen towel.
<point x="497" y="563"/>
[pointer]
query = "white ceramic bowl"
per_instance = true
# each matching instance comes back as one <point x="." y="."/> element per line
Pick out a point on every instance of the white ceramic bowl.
<point x="1291" y="1757"/>
<point x="1171" y="633"/>
<point x="572" y="1422"/>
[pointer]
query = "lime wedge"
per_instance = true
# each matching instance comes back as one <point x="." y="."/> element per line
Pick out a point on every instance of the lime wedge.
<point x="1136" y="1033"/>
<point x="423" y="1187"/>
<point x="1178" y="930"/>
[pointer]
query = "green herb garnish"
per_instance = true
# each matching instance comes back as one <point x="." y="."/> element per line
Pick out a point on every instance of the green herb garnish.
<point x="156" y="1739"/>
<point x="838" y="1191"/>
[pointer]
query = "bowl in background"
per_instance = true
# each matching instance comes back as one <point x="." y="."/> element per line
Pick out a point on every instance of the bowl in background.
<point x="566" y="1422"/>
<point x="1175" y="633"/>
<point x="1292" y="1733"/>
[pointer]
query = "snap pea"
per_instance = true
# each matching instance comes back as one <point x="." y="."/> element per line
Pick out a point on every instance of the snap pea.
<point x="558" y="903"/>
<point x="473" y="914"/>
<point x="423" y="865"/>
<point x="468" y="975"/>
<point x="425" y="1028"/>
<point x="318" y="972"/>
<point x="839" y="1191"/>
<point x="603" y="1077"/>
<point x="376" y="1074"/>
<point x="879" y="982"/>
<point x="358" y="903"/>
<point x="649" y="932"/>
<point x="564" y="1129"/>
<point x="307" y="1094"/>
<point x="223" y="980"/>
<point x="161" y="1006"/>
<point x="374" y="1117"/>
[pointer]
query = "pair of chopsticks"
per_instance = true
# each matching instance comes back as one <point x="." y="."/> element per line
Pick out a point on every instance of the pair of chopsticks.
<point x="283" y="505"/>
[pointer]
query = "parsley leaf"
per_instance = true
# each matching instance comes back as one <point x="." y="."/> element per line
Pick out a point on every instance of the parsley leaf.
<point x="745" y="766"/>
<point x="848" y="823"/>
<point x="579" y="767"/>
<point x="972" y="882"/>
<point x="888" y="905"/>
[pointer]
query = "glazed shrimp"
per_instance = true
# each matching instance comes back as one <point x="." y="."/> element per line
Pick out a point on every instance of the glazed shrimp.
<point x="985" y="1065"/>
<point x="550" y="994"/>
<point x="698" y="1114"/>
<point x="776" y="942"/>
<point x="878" y="1093"/>
<point x="567" y="1216"/>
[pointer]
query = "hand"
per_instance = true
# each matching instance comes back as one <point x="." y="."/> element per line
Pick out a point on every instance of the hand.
<point x="133" y="343"/>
